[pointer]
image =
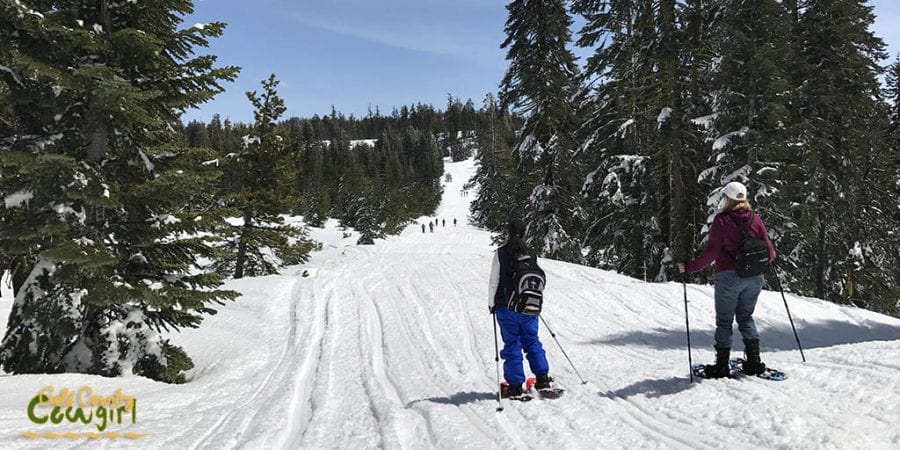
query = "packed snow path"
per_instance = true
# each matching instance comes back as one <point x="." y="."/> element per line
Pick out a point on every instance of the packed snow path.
<point x="392" y="346"/>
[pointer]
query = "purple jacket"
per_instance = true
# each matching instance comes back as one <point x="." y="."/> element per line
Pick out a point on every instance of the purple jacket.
<point x="725" y="237"/>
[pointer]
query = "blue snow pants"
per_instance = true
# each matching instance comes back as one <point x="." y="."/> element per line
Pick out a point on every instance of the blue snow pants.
<point x="520" y="332"/>
<point x="735" y="299"/>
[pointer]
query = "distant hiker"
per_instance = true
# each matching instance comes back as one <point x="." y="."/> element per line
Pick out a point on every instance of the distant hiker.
<point x="423" y="228"/>
<point x="454" y="222"/>
<point x="444" y="222"/>
<point x="735" y="235"/>
<point x="519" y="331"/>
<point x="430" y="227"/>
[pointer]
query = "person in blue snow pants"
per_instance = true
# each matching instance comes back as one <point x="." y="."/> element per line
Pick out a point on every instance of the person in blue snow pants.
<point x="519" y="331"/>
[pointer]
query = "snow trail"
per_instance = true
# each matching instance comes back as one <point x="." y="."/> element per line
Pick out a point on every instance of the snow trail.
<point x="391" y="346"/>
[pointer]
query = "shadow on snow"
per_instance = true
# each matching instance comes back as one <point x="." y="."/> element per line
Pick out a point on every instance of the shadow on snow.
<point x="652" y="388"/>
<point x="458" y="399"/>
<point x="812" y="335"/>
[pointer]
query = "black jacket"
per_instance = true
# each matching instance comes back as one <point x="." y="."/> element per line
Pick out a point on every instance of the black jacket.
<point x="501" y="282"/>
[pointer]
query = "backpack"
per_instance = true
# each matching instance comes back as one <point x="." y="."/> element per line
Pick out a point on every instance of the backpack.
<point x="527" y="295"/>
<point x="752" y="256"/>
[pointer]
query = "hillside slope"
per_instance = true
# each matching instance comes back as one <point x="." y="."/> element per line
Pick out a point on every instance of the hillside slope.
<point x="392" y="346"/>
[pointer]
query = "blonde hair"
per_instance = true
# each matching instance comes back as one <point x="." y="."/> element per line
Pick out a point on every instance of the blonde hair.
<point x="736" y="204"/>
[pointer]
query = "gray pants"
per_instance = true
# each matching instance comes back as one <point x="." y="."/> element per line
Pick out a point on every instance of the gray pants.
<point x="735" y="299"/>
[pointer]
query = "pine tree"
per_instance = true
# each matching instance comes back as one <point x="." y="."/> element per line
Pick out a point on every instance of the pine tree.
<point x="495" y="174"/>
<point x="6" y="116"/>
<point x="264" y="190"/>
<point x="848" y="256"/>
<point x="700" y="53"/>
<point x="892" y="93"/>
<point x="195" y="134"/>
<point x="314" y="205"/>
<point x="623" y="115"/>
<point x="214" y="132"/>
<point x="367" y="222"/>
<point x="752" y="127"/>
<point x="670" y="127"/>
<point x="95" y="183"/>
<point x="540" y="83"/>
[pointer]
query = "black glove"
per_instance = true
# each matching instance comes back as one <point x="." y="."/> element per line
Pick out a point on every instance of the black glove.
<point x="493" y="309"/>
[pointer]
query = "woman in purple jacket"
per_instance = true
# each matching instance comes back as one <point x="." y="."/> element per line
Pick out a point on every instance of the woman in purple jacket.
<point x="735" y="296"/>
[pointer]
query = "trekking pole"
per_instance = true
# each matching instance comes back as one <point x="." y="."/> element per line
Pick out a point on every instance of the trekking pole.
<point x="497" y="360"/>
<point x="583" y="381"/>
<point x="796" y="336"/>
<point x="687" y="326"/>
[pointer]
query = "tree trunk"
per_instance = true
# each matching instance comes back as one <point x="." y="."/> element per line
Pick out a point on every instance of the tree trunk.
<point x="678" y="240"/>
<point x="98" y="136"/>
<point x="242" y="246"/>
<point x="820" y="255"/>
<point x="19" y="272"/>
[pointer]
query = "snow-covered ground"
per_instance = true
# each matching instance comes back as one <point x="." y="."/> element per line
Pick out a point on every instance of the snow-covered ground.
<point x="392" y="346"/>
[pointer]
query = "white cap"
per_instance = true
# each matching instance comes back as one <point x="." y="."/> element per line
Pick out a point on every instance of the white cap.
<point x="735" y="191"/>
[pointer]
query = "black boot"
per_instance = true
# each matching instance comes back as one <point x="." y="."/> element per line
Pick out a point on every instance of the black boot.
<point x="512" y="390"/>
<point x="543" y="382"/>
<point x="752" y="364"/>
<point x="721" y="368"/>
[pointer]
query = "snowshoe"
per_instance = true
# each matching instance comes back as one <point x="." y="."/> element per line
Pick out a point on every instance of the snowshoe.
<point x="702" y="371"/>
<point x="514" y="393"/>
<point x="544" y="388"/>
<point x="768" y="374"/>
<point x="720" y="369"/>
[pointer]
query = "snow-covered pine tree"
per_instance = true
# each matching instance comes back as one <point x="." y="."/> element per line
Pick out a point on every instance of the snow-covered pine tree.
<point x="264" y="188"/>
<point x="541" y="83"/>
<point x="698" y="55"/>
<point x="752" y="132"/>
<point x="398" y="176"/>
<point x="451" y="141"/>
<point x="849" y="251"/>
<point x="315" y="203"/>
<point x="631" y="136"/>
<point x="892" y="93"/>
<point x="95" y="184"/>
<point x="367" y="223"/>
<point x="494" y="176"/>
<point x="6" y="116"/>
<point x="669" y="89"/>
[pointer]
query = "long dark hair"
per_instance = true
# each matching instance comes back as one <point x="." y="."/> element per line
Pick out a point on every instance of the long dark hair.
<point x="515" y="231"/>
<point x="516" y="245"/>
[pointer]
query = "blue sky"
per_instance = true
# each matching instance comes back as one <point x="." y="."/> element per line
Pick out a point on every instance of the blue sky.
<point x="356" y="54"/>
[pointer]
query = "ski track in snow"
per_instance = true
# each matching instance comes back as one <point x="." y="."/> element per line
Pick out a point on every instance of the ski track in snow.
<point x="391" y="346"/>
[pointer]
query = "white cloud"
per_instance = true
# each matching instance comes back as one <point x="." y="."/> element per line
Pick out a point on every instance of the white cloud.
<point x="417" y="26"/>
